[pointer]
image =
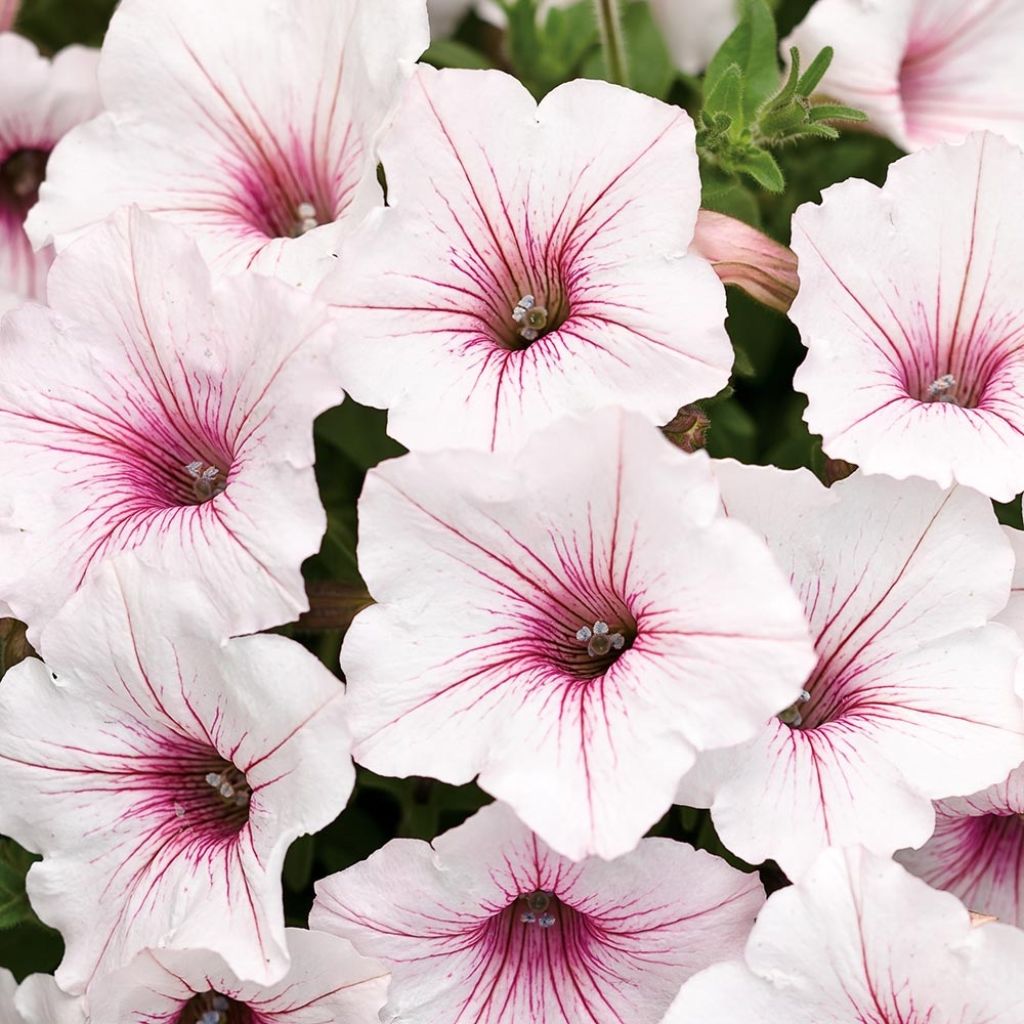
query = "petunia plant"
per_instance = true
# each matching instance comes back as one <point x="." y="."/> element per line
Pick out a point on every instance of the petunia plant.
<point x="510" y="512"/>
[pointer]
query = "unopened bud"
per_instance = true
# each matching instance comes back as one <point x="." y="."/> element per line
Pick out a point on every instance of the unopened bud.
<point x="8" y="14"/>
<point x="835" y="470"/>
<point x="14" y="645"/>
<point x="745" y="257"/>
<point x="688" y="429"/>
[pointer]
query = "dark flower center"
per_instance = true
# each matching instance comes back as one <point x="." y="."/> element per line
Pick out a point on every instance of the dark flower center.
<point x="212" y="795"/>
<point x="532" y="317"/>
<point x="205" y="481"/>
<point x="214" y="1008"/>
<point x="590" y="650"/>
<point x="21" y="174"/>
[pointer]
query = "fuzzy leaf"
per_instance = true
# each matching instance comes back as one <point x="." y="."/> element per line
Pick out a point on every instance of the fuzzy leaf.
<point x="752" y="46"/>
<point x="761" y="166"/>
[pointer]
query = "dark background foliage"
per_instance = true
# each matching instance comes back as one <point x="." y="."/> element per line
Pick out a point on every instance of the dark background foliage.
<point x="757" y="420"/>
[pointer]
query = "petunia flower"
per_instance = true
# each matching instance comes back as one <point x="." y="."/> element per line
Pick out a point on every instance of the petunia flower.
<point x="489" y="925"/>
<point x="924" y="71"/>
<point x="977" y="849"/>
<point x="532" y="262"/>
<point x="152" y="411"/>
<point x="8" y="987"/>
<point x="40" y="100"/>
<point x="162" y="776"/>
<point x="913" y="695"/>
<point x="9" y="10"/>
<point x="911" y="310"/>
<point x="694" y="29"/>
<point x="38" y="1000"/>
<point x="327" y="983"/>
<point x="251" y="124"/>
<point x="859" y="941"/>
<point x="572" y="623"/>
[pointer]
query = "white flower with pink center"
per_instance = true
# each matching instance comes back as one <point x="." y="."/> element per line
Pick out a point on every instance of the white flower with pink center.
<point x="977" y="850"/>
<point x="152" y="411"/>
<point x="40" y="100"/>
<point x="532" y="261"/>
<point x="912" y="698"/>
<point x="572" y="623"/>
<point x="252" y="125"/>
<point x="694" y="29"/>
<point x="859" y="941"/>
<point x="924" y="71"/>
<point x="911" y="309"/>
<point x="487" y="924"/>
<point x="328" y="983"/>
<point x="162" y="776"/>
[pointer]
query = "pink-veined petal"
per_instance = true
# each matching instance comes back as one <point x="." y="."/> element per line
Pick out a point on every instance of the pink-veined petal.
<point x="181" y="431"/>
<point x="910" y="308"/>
<point x="486" y="566"/>
<point x="857" y="941"/>
<point x="581" y="209"/>
<point x="163" y="775"/>
<point x="913" y="697"/>
<point x="606" y="943"/>
<point x="264" y="169"/>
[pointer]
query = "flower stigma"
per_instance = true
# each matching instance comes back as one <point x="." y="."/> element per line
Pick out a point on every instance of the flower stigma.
<point x="207" y="481"/>
<point x="532" y="317"/>
<point x="231" y="786"/>
<point x="791" y="716"/>
<point x="600" y="640"/>
<point x="943" y="389"/>
<point x="306" y="219"/>
<point x="537" y="912"/>
<point x="206" y="1008"/>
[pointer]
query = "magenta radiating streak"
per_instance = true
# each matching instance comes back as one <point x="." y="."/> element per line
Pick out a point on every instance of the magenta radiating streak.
<point x="40" y="100"/>
<point x="977" y="850"/>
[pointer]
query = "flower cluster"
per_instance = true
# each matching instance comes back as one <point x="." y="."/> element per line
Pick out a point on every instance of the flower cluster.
<point x="646" y="733"/>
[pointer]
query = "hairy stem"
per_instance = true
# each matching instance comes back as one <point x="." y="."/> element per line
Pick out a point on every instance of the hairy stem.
<point x="609" y="20"/>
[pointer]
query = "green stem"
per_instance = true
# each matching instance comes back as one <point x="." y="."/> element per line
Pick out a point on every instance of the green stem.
<point x="609" y="21"/>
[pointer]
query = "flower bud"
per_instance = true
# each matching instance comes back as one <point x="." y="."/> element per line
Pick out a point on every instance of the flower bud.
<point x="688" y="429"/>
<point x="743" y="256"/>
<point x="8" y="14"/>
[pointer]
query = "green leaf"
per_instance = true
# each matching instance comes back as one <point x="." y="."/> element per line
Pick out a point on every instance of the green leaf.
<point x="298" y="863"/>
<point x="836" y="112"/>
<point x="14" y="864"/>
<point x="450" y="53"/>
<point x="811" y="78"/>
<point x="761" y="166"/>
<point x="359" y="432"/>
<point x="569" y="35"/>
<point x="727" y="96"/>
<point x="752" y="46"/>
<point x="726" y="193"/>
<point x="54" y="24"/>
